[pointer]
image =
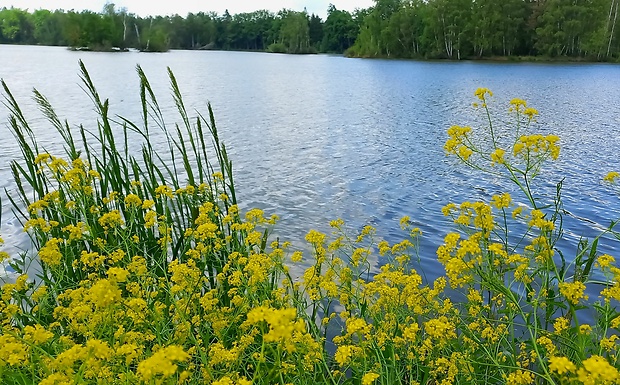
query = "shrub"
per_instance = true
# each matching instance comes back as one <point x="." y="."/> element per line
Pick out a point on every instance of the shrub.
<point x="277" y="48"/>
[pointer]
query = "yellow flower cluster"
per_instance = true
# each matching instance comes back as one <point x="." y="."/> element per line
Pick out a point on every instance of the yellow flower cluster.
<point x="611" y="176"/>
<point x="163" y="363"/>
<point x="458" y="142"/>
<point x="573" y="291"/>
<point x="537" y="144"/>
<point x="155" y="285"/>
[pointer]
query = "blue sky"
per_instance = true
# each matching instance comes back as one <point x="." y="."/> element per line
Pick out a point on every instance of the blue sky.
<point x="182" y="7"/>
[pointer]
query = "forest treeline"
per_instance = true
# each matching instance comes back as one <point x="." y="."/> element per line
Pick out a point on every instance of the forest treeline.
<point x="451" y="29"/>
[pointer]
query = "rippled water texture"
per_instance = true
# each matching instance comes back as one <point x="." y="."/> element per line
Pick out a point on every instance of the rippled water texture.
<point x="317" y="137"/>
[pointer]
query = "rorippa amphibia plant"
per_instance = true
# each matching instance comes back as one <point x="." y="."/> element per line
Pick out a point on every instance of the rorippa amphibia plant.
<point x="526" y="291"/>
<point x="151" y="274"/>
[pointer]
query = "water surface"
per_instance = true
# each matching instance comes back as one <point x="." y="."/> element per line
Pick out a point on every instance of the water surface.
<point x="318" y="137"/>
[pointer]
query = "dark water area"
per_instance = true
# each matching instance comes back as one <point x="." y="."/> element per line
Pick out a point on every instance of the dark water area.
<point x="314" y="138"/>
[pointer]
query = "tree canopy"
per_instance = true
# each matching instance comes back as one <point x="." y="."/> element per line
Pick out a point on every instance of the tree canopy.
<point x="451" y="29"/>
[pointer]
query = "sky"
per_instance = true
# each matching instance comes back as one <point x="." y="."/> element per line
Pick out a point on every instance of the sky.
<point x="182" y="7"/>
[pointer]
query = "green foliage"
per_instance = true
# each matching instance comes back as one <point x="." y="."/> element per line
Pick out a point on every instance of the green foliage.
<point x="294" y="31"/>
<point x="276" y="48"/>
<point x="339" y="31"/>
<point x="452" y="29"/>
<point x="457" y="29"/>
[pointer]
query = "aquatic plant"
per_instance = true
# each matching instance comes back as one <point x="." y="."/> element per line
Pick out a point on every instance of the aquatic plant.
<point x="150" y="273"/>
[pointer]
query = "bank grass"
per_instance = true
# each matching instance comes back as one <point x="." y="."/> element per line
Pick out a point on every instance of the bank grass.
<point x="149" y="273"/>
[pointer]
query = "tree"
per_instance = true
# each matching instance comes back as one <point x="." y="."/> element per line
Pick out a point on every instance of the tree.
<point x="48" y="27"/>
<point x="375" y="36"/>
<point x="16" y="26"/>
<point x="449" y="22"/>
<point x="295" y="32"/>
<point x="571" y="27"/>
<point x="315" y="31"/>
<point x="339" y="31"/>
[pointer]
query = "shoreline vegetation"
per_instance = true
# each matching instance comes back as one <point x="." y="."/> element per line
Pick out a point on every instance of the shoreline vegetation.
<point x="511" y="30"/>
<point x="151" y="274"/>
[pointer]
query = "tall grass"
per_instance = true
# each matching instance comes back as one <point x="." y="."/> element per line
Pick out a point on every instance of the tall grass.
<point x="149" y="273"/>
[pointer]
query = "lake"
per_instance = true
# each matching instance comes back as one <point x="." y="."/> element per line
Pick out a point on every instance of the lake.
<point x="314" y="138"/>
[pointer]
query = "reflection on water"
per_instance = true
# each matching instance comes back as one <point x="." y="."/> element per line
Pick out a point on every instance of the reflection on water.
<point x="318" y="137"/>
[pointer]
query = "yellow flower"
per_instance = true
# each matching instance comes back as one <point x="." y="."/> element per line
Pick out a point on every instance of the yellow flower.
<point x="58" y="165"/>
<point x="39" y="293"/>
<point x="546" y="342"/>
<point x="13" y="352"/>
<point x="465" y="152"/>
<point x="297" y="256"/>
<point x="224" y="381"/>
<point x="77" y="231"/>
<point x="150" y="218"/>
<point x="609" y="344"/>
<point x="482" y="92"/>
<point x="94" y="174"/>
<point x="456" y="143"/>
<point x="517" y="105"/>
<point x="561" y="365"/>
<point x="37" y="334"/>
<point x="605" y="260"/>
<point x="440" y="328"/>
<point x="530" y="112"/>
<point x="611" y="176"/>
<point x="585" y="329"/>
<point x="283" y="323"/>
<point x="129" y="350"/>
<point x="501" y="201"/>
<point x="162" y="362"/>
<point x="573" y="291"/>
<point x="539" y="221"/>
<point x="596" y="370"/>
<point x="111" y="220"/>
<point x="111" y="197"/>
<point x="50" y="253"/>
<point x="37" y="206"/>
<point x="344" y="354"/>
<point x="57" y="379"/>
<point x="163" y="190"/>
<point x="255" y="216"/>
<point x="560" y="324"/>
<point x="537" y="144"/>
<point x="369" y="378"/>
<point x="42" y="158"/>
<point x="404" y="222"/>
<point x="497" y="156"/>
<point x="315" y="237"/>
<point x="99" y="349"/>
<point x="104" y="293"/>
<point x="411" y="331"/>
<point x="118" y="274"/>
<point x="447" y="209"/>
<point x="132" y="200"/>
<point x="520" y="377"/>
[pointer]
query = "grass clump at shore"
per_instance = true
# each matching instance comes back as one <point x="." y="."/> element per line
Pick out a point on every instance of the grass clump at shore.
<point x="150" y="274"/>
